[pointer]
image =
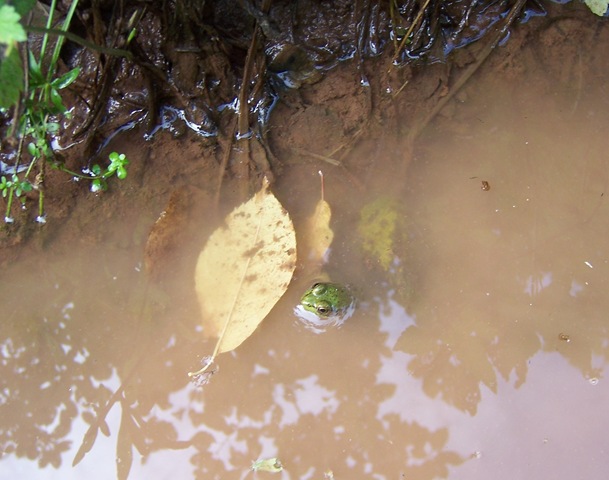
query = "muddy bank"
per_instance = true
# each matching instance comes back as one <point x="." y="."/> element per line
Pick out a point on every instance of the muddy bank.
<point x="178" y="136"/>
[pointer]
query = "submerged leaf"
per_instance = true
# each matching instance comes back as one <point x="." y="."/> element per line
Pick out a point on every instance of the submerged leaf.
<point x="377" y="228"/>
<point x="383" y="231"/>
<point x="245" y="268"/>
<point x="317" y="234"/>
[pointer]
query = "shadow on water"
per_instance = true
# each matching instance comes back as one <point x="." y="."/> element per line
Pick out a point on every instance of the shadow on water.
<point x="523" y="271"/>
<point x="82" y="336"/>
<point x="485" y="365"/>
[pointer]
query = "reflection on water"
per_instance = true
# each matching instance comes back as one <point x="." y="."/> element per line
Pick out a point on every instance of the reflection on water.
<point x="498" y="359"/>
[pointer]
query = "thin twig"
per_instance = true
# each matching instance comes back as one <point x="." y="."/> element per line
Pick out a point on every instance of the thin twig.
<point x="225" y="158"/>
<point x="316" y="156"/>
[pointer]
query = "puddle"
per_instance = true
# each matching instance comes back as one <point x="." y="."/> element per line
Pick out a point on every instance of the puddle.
<point x="496" y="366"/>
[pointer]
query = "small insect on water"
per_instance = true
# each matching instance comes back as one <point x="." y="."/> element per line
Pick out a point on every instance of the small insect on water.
<point x="485" y="186"/>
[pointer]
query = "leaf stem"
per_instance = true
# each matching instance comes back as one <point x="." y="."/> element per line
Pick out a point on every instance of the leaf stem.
<point x="321" y="174"/>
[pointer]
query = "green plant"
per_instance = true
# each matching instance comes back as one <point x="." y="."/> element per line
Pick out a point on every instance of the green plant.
<point x="38" y="110"/>
<point x="13" y="188"/>
<point x="118" y="167"/>
<point x="99" y="175"/>
<point x="38" y="103"/>
<point x="11" y="69"/>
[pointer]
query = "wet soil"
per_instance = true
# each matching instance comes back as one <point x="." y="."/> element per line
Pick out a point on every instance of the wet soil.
<point x="325" y="120"/>
<point x="355" y="103"/>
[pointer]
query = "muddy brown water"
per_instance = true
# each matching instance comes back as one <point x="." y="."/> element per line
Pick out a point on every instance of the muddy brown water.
<point x="495" y="366"/>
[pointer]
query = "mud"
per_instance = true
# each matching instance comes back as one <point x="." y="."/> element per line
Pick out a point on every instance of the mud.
<point x="355" y="102"/>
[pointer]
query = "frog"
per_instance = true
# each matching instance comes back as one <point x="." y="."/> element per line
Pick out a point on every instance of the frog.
<point x="327" y="299"/>
<point x="325" y="305"/>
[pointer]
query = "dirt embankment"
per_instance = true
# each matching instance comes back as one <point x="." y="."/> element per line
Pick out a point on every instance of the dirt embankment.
<point x="211" y="107"/>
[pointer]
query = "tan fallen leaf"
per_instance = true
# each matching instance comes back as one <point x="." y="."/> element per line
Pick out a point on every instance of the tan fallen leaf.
<point x="317" y="233"/>
<point x="244" y="269"/>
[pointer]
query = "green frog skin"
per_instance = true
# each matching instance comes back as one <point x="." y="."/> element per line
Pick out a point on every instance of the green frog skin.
<point x="328" y="299"/>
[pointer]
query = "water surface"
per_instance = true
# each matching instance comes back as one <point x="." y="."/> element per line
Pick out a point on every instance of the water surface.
<point x="494" y="365"/>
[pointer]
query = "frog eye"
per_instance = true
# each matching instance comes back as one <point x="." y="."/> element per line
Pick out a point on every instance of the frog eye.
<point x="318" y="288"/>
<point x="323" y="308"/>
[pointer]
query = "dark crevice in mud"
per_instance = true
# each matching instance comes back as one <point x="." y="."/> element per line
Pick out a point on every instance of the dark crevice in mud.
<point x="239" y="83"/>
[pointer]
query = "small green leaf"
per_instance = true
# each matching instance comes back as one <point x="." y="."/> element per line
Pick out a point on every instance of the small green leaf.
<point x="52" y="127"/>
<point x="36" y="77"/>
<point x="57" y="101"/>
<point x="131" y="36"/>
<point x="11" y="79"/>
<point x="66" y="79"/>
<point x="10" y="28"/>
<point x="121" y="173"/>
<point x="96" y="169"/>
<point x="98" y="185"/>
<point x="32" y="150"/>
<point x="4" y="186"/>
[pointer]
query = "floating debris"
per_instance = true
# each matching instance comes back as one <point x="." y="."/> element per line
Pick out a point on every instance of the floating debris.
<point x="272" y="465"/>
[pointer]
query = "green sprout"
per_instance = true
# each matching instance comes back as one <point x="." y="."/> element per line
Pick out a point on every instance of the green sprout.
<point x="118" y="167"/>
